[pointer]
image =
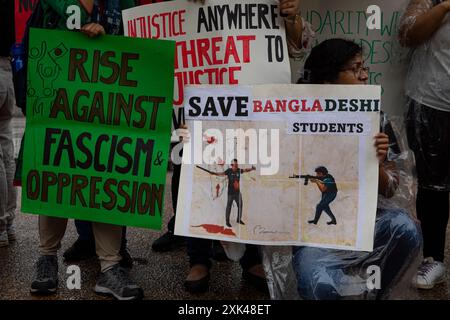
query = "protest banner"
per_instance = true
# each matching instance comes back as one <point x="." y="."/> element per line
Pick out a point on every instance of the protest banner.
<point x="98" y="127"/>
<point x="23" y="10"/>
<point x="220" y="42"/>
<point x="382" y="52"/>
<point x="248" y="172"/>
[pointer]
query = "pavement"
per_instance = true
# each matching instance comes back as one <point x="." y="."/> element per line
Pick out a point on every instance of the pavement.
<point x="161" y="275"/>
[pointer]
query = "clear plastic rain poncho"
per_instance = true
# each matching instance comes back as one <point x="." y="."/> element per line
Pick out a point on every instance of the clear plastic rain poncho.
<point x="428" y="74"/>
<point x="339" y="274"/>
<point x="428" y="91"/>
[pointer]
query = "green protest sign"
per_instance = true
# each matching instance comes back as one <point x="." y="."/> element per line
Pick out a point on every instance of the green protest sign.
<point x="98" y="127"/>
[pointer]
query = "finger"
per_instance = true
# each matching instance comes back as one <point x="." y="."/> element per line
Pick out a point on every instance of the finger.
<point x="89" y="30"/>
<point x="385" y="150"/>
<point x="88" y="33"/>
<point x="90" y="27"/>
<point x="289" y="12"/>
<point x="85" y="27"/>
<point x="381" y="142"/>
<point x="287" y="4"/>
<point x="377" y="140"/>
<point x="381" y="139"/>
<point x="97" y="30"/>
<point x="102" y="30"/>
<point x="381" y="135"/>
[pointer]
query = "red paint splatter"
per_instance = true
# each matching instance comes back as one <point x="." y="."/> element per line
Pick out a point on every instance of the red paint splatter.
<point x="212" y="228"/>
<point x="228" y="232"/>
<point x="210" y="140"/>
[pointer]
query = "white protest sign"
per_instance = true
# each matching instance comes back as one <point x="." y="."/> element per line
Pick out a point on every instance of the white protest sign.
<point x="249" y="171"/>
<point x="220" y="42"/>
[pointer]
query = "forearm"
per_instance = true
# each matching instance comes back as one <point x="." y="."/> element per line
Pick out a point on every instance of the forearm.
<point x="88" y="5"/>
<point x="321" y="186"/>
<point x="387" y="179"/>
<point x="425" y="25"/>
<point x="294" y="30"/>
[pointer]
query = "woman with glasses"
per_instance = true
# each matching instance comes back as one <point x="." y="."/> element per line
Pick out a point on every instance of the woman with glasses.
<point x="336" y="274"/>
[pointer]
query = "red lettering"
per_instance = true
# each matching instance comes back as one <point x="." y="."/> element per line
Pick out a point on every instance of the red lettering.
<point x="281" y="104"/>
<point x="269" y="107"/>
<point x="216" y="50"/>
<point x="257" y="106"/>
<point x="246" y="47"/>
<point x="294" y="106"/>
<point x="317" y="106"/>
<point x="230" y="50"/>
<point x="304" y="107"/>
<point x="202" y="51"/>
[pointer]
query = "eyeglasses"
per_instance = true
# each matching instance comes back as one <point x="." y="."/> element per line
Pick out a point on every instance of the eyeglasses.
<point x="358" y="71"/>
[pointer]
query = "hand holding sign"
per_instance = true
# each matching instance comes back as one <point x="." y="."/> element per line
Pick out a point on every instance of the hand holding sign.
<point x="289" y="7"/>
<point x="382" y="146"/>
<point x="93" y="30"/>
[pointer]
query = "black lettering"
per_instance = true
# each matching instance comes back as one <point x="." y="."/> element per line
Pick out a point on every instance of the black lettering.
<point x="112" y="196"/>
<point x="146" y="148"/>
<point x="193" y="104"/>
<point x="77" y="59"/>
<point x="33" y="185"/>
<point x="125" y="155"/>
<point x="82" y="147"/>
<point x="49" y="140"/>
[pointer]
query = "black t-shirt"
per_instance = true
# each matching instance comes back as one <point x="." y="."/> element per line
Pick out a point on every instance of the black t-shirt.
<point x="233" y="180"/>
<point x="6" y="27"/>
<point x="330" y="183"/>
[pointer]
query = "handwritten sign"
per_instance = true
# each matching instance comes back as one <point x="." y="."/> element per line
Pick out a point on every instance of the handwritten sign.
<point x="98" y="127"/>
<point x="23" y="10"/>
<point x="220" y="42"/>
<point x="387" y="60"/>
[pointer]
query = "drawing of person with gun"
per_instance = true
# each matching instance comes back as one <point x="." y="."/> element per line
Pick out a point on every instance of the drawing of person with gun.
<point x="326" y="184"/>
<point x="234" y="192"/>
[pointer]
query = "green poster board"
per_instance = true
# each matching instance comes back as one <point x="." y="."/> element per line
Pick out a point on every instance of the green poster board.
<point x="98" y="127"/>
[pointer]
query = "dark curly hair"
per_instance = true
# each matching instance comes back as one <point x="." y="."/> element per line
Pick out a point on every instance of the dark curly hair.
<point x="327" y="59"/>
<point x="321" y="169"/>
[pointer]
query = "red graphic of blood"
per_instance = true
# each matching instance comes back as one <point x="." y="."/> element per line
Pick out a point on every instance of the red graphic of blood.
<point x="212" y="228"/>
<point x="210" y="140"/>
<point x="217" y="190"/>
<point x="228" y="232"/>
